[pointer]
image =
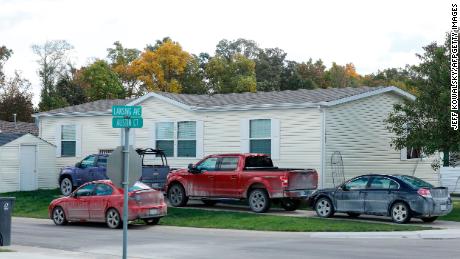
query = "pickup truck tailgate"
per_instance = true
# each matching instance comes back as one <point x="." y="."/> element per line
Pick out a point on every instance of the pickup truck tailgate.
<point x="302" y="179"/>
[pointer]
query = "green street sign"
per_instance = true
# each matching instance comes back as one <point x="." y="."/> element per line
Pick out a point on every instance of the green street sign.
<point x="127" y="111"/>
<point x="120" y="122"/>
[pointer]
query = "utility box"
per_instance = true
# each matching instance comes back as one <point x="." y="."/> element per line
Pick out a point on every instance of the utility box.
<point x="6" y="211"/>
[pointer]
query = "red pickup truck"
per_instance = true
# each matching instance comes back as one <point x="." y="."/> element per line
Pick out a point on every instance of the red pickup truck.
<point x="241" y="176"/>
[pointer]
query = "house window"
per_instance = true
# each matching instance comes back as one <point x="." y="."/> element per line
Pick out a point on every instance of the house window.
<point x="68" y="140"/>
<point x="260" y="136"/>
<point x="413" y="153"/>
<point x="186" y="139"/>
<point x="165" y="137"/>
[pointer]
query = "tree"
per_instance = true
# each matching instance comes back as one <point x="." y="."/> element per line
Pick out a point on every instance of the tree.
<point x="193" y="78"/>
<point x="425" y="122"/>
<point x="314" y="71"/>
<point x="120" y="59"/>
<point x="269" y="69"/>
<point x="161" y="67"/>
<point x="342" y="76"/>
<point x="15" y="98"/>
<point x="69" y="87"/>
<point x="228" y="49"/>
<point x="291" y="78"/>
<point x="53" y="60"/>
<point x="403" y="78"/>
<point x="235" y="75"/>
<point x="100" y="82"/>
<point x="5" y="54"/>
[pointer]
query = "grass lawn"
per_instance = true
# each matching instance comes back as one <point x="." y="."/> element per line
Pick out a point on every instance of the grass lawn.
<point x="455" y="214"/>
<point x="34" y="204"/>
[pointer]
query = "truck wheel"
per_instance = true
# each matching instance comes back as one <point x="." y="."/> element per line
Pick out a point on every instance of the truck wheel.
<point x="113" y="218"/>
<point x="324" y="207"/>
<point x="259" y="201"/>
<point x="290" y="204"/>
<point x="400" y="213"/>
<point x="66" y="186"/>
<point x="176" y="195"/>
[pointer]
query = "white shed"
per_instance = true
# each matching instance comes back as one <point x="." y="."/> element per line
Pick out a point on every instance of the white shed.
<point x="27" y="163"/>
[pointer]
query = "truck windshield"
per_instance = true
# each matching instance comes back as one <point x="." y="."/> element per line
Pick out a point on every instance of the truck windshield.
<point x="258" y="161"/>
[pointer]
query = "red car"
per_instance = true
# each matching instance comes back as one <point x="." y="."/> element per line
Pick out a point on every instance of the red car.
<point x="102" y="201"/>
<point x="241" y="176"/>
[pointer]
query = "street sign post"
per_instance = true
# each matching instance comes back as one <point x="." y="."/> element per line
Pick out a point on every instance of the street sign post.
<point x="126" y="117"/>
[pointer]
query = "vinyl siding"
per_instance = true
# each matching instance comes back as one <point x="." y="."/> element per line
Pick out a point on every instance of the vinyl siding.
<point x="10" y="160"/>
<point x="357" y="130"/>
<point x="299" y="140"/>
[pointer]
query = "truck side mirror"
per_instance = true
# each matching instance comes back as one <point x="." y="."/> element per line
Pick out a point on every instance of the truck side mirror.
<point x="78" y="165"/>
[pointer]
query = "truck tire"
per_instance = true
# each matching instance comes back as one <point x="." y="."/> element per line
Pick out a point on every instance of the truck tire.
<point x="259" y="201"/>
<point x="176" y="195"/>
<point x="290" y="204"/>
<point x="66" y="186"/>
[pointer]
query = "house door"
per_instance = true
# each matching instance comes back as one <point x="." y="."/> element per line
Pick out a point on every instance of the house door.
<point x="28" y="168"/>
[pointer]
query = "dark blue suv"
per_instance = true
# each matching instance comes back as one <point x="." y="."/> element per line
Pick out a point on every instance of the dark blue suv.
<point x="91" y="168"/>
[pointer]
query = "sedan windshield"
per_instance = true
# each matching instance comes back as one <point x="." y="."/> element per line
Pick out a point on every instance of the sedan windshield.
<point x="414" y="182"/>
<point x="138" y="186"/>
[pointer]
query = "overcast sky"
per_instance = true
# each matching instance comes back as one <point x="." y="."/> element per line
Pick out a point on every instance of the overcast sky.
<point x="371" y="34"/>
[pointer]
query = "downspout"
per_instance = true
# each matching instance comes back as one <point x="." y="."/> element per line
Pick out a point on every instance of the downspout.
<point x="323" y="146"/>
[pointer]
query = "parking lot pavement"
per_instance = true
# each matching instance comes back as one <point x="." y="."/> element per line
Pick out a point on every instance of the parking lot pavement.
<point x="42" y="237"/>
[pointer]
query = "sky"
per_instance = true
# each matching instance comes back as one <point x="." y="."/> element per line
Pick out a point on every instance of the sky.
<point x="373" y="35"/>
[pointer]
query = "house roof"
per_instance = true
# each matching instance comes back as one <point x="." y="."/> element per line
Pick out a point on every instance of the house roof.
<point x="237" y="101"/>
<point x="18" y="127"/>
<point x="8" y="137"/>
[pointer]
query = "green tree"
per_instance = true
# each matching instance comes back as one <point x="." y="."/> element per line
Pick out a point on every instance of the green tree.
<point x="269" y="69"/>
<point x="342" y="76"/>
<point x="69" y="87"/>
<point x="228" y="49"/>
<point x="52" y="61"/>
<point x="120" y="59"/>
<point x="314" y="71"/>
<point x="16" y="98"/>
<point x="425" y="122"/>
<point x="403" y="78"/>
<point x="100" y="82"/>
<point x="233" y="75"/>
<point x="193" y="78"/>
<point x="5" y="54"/>
<point x="291" y="78"/>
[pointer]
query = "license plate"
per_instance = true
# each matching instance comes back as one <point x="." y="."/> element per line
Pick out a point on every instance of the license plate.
<point x="443" y="207"/>
<point x="153" y="211"/>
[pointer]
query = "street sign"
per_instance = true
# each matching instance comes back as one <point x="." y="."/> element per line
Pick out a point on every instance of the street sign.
<point x="120" y="122"/>
<point x="126" y="111"/>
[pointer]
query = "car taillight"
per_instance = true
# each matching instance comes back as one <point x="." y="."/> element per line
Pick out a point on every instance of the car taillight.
<point x="284" y="181"/>
<point x="424" y="192"/>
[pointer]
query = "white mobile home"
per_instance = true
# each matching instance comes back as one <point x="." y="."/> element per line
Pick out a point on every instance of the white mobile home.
<point x="26" y="163"/>
<point x="300" y="128"/>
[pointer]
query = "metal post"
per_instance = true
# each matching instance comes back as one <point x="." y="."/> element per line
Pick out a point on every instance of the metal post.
<point x="125" y="189"/>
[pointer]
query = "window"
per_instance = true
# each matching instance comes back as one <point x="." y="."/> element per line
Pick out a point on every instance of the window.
<point x="357" y="184"/>
<point x="186" y="139"/>
<point x="103" y="190"/>
<point x="164" y="133"/>
<point x="229" y="163"/>
<point x="414" y="182"/>
<point x="102" y="161"/>
<point x="258" y="161"/>
<point x="413" y="153"/>
<point x="177" y="139"/>
<point x="260" y="136"/>
<point x="208" y="165"/>
<point x="68" y="140"/>
<point x="89" y="161"/>
<point x="379" y="182"/>
<point x="86" y="190"/>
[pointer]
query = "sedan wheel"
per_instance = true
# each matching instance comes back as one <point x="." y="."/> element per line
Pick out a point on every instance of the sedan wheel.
<point x="113" y="218"/>
<point x="324" y="208"/>
<point x="66" y="186"/>
<point x="59" y="216"/>
<point x="400" y="213"/>
<point x="176" y="196"/>
<point x="259" y="201"/>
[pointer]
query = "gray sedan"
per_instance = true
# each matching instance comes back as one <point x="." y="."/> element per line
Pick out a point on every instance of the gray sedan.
<point x="399" y="196"/>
